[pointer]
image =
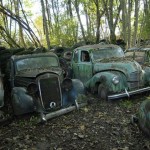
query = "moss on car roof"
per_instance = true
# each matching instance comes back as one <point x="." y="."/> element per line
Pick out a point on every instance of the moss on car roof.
<point x="98" y="46"/>
<point x="14" y="57"/>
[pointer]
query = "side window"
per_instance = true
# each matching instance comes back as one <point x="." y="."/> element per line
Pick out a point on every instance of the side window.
<point x="76" y="56"/>
<point x="85" y="56"/>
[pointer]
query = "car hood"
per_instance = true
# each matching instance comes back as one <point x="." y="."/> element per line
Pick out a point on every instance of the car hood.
<point x="35" y="72"/>
<point x="124" y="65"/>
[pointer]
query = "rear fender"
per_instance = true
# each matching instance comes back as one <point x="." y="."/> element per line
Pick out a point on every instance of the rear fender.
<point x="22" y="102"/>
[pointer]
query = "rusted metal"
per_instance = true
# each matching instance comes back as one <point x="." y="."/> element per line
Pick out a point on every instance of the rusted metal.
<point x="63" y="111"/>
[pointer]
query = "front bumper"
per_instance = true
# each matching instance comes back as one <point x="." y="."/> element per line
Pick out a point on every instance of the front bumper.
<point x="128" y="94"/>
<point x="44" y="118"/>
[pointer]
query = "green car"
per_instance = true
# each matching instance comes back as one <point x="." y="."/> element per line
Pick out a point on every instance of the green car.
<point x="106" y="71"/>
<point x="141" y="55"/>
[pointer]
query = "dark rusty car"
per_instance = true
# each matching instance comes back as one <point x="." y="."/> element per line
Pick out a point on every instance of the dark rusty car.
<point x="106" y="71"/>
<point x="37" y="84"/>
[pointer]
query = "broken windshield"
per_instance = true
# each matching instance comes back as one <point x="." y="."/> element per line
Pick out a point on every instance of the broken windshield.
<point x="107" y="53"/>
<point x="36" y="63"/>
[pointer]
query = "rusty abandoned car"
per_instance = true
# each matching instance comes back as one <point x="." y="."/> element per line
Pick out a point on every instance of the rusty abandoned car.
<point x="139" y="54"/>
<point x="37" y="85"/>
<point x="142" y="117"/>
<point x="106" y="71"/>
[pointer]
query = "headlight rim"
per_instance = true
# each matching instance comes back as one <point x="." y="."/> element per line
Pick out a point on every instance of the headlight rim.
<point x="115" y="80"/>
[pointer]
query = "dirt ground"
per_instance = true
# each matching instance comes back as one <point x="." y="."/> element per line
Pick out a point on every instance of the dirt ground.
<point x="100" y="125"/>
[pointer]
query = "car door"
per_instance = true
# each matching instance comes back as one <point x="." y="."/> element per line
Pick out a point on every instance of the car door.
<point x="82" y="65"/>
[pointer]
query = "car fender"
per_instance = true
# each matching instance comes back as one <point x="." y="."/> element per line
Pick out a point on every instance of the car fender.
<point x="78" y="85"/>
<point x="144" y="116"/>
<point x="70" y="94"/>
<point x="147" y="76"/>
<point x="105" y="78"/>
<point x="21" y="101"/>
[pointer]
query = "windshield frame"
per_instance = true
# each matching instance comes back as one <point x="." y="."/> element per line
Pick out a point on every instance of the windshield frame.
<point x="110" y="49"/>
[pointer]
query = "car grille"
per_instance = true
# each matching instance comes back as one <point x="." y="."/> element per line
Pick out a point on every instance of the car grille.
<point x="134" y="85"/>
<point x="134" y="80"/>
<point x="134" y="76"/>
<point x="50" y="91"/>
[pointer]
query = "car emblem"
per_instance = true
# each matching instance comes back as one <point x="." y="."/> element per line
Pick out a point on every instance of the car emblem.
<point x="52" y="104"/>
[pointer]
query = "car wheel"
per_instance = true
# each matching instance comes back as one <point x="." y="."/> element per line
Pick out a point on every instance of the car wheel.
<point x="102" y="92"/>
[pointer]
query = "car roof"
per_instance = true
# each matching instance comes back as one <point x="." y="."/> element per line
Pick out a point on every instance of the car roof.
<point x="98" y="46"/>
<point x="15" y="57"/>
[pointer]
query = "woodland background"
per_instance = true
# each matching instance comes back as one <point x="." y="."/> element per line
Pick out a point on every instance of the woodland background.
<point x="66" y="22"/>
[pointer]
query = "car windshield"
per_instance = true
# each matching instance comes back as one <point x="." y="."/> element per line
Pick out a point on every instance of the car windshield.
<point x="138" y="56"/>
<point x="36" y="62"/>
<point x="108" y="53"/>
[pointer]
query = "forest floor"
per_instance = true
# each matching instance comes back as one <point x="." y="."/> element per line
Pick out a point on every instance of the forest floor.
<point x="100" y="125"/>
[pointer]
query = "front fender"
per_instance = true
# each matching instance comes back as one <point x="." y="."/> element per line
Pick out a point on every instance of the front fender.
<point x="22" y="102"/>
<point x="105" y="78"/>
<point x="78" y="85"/>
<point x="147" y="76"/>
<point x="70" y="95"/>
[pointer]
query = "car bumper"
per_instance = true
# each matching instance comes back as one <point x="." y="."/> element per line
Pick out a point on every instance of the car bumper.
<point x="44" y="118"/>
<point x="128" y="94"/>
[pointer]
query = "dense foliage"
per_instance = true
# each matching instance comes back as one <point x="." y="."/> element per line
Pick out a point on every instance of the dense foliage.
<point x="65" y="22"/>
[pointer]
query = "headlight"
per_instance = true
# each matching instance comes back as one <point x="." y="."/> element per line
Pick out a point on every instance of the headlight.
<point x="115" y="80"/>
<point x="67" y="84"/>
<point x="32" y="88"/>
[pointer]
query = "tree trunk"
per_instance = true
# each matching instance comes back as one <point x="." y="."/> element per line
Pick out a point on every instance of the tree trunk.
<point x="21" y="36"/>
<point x="45" y="26"/>
<point x="110" y="16"/>
<point x="70" y="9"/>
<point x="77" y="11"/>
<point x="98" y="21"/>
<point x="135" y="22"/>
<point x="124" y="22"/>
<point x="129" y="22"/>
<point x="48" y="12"/>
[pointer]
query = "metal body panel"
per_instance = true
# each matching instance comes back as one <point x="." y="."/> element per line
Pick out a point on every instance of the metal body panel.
<point x="21" y="101"/>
